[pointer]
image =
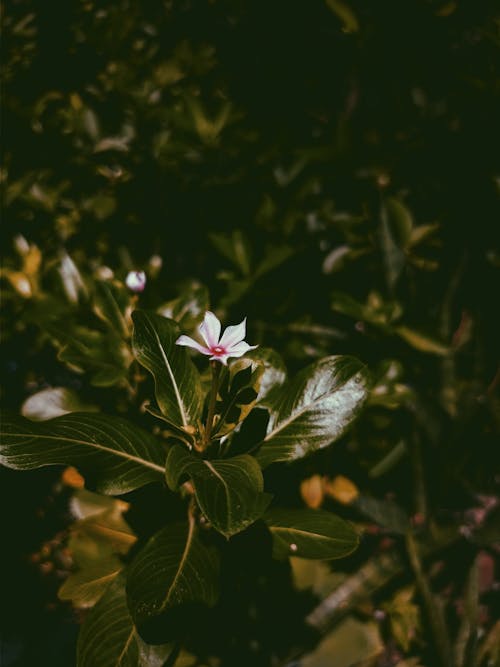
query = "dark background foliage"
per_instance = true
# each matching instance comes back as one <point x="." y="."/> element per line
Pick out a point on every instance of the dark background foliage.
<point x="245" y="143"/>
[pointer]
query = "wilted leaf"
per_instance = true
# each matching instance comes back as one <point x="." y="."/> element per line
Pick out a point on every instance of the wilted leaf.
<point x="351" y="642"/>
<point x="96" y="544"/>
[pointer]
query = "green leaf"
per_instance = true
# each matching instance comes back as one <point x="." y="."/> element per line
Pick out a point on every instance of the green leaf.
<point x="177" y="382"/>
<point x="315" y="409"/>
<point x="235" y="248"/>
<point x="104" y="355"/>
<point x="274" y="372"/>
<point x="117" y="456"/>
<point x="173" y="569"/>
<point x="395" y="231"/>
<point x="54" y="402"/>
<point x="345" y="14"/>
<point x="384" y="512"/>
<point x="112" y="304"/>
<point x="229" y="491"/>
<point x="422" y="342"/>
<point x="400" y="222"/>
<point x="109" y="638"/>
<point x="310" y="534"/>
<point x="237" y="394"/>
<point x="188" y="308"/>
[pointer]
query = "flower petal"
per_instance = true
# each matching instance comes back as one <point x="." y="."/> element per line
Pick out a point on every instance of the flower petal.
<point x="239" y="349"/>
<point x="190" y="342"/>
<point x="210" y="329"/>
<point x="234" y="334"/>
<point x="221" y="357"/>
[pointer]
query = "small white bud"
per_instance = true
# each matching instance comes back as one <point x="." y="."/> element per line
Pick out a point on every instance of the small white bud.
<point x="136" y="281"/>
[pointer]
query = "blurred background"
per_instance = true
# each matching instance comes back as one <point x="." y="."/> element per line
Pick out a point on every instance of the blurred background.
<point x="328" y="169"/>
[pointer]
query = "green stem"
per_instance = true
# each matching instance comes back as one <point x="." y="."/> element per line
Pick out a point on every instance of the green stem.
<point x="216" y="369"/>
<point x="434" y="610"/>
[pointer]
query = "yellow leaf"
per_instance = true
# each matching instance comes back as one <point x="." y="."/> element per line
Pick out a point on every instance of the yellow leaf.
<point x="342" y="490"/>
<point x="311" y="490"/>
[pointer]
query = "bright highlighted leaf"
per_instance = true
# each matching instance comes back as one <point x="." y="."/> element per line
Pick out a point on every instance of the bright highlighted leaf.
<point x="114" y="455"/>
<point x="108" y="636"/>
<point x="177" y="382"/>
<point x="229" y="491"/>
<point x="310" y="534"/>
<point x="54" y="402"/>
<point x="315" y="409"/>
<point x="274" y="372"/>
<point x="173" y="569"/>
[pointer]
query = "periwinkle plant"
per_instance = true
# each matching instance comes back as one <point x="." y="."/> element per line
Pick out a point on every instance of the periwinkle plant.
<point x="222" y="488"/>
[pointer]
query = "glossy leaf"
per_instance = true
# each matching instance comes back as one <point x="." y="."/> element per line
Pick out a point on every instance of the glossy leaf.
<point x="310" y="534"/>
<point x="177" y="382"/>
<point x="274" y="372"/>
<point x="173" y="569"/>
<point x="229" y="491"/>
<point x="116" y="455"/>
<point x="315" y="409"/>
<point x="108" y="636"/>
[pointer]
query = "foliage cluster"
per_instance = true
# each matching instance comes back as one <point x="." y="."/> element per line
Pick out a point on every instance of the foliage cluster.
<point x="330" y="170"/>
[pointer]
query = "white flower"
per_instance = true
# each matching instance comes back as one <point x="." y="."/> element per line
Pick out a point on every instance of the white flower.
<point x="231" y="343"/>
<point x="136" y="281"/>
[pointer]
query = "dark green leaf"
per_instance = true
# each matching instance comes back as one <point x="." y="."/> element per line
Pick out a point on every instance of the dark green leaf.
<point x="104" y="355"/>
<point x="112" y="304"/>
<point x="116" y="455"/>
<point x="237" y="394"/>
<point x="177" y="382"/>
<point x="108" y="637"/>
<point x="383" y="512"/>
<point x="315" y="409"/>
<point x="174" y="568"/>
<point x="229" y="491"/>
<point x="310" y="534"/>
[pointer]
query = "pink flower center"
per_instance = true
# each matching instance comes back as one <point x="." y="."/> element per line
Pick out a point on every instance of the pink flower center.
<point x="218" y="350"/>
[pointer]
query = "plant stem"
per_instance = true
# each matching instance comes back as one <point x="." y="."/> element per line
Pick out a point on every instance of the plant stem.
<point x="434" y="610"/>
<point x="216" y="369"/>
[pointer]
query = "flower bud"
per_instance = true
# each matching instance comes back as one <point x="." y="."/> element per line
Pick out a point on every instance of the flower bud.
<point x="136" y="281"/>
